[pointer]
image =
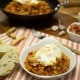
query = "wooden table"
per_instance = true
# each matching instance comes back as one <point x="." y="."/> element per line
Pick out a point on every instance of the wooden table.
<point x="66" y="15"/>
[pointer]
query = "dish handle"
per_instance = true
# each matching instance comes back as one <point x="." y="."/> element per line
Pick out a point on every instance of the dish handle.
<point x="68" y="4"/>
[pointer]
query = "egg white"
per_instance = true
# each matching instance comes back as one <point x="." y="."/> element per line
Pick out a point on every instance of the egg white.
<point x="48" y="54"/>
<point x="27" y="1"/>
<point x="34" y="1"/>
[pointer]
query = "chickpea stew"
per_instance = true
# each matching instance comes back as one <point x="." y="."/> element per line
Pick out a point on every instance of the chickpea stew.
<point x="42" y="7"/>
<point x="38" y="68"/>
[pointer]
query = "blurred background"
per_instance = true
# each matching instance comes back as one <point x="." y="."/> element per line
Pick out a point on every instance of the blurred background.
<point x="73" y="9"/>
<point x="67" y="14"/>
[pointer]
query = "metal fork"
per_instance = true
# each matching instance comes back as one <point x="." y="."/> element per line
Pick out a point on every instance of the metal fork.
<point x="37" y="34"/>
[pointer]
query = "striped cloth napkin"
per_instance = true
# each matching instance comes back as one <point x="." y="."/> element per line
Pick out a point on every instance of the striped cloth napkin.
<point x="20" y="74"/>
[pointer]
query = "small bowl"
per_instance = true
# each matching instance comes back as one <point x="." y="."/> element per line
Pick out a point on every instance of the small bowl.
<point x="73" y="36"/>
<point x="38" y="45"/>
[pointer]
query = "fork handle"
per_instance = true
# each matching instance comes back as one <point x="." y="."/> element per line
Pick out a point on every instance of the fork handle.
<point x="72" y="49"/>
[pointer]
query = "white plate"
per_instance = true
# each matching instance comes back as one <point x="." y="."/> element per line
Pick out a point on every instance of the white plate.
<point x="38" y="45"/>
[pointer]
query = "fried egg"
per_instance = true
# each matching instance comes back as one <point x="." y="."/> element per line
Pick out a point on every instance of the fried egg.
<point x="48" y="54"/>
<point x="27" y="1"/>
<point x="34" y="1"/>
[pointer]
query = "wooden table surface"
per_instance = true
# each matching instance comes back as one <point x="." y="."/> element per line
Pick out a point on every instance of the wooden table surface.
<point x="66" y="15"/>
